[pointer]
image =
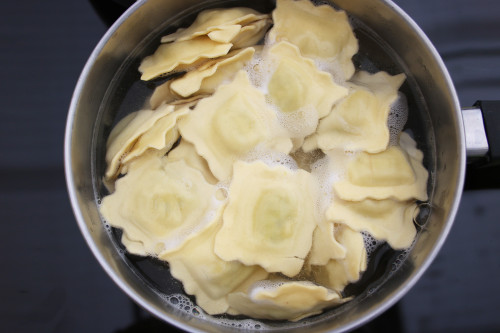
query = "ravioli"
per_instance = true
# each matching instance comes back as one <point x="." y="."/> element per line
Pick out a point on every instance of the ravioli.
<point x="205" y="275"/>
<point x="221" y="24"/>
<point x="231" y="123"/>
<point x="161" y="136"/>
<point x="251" y="33"/>
<point x="164" y="95"/>
<point x="392" y="173"/>
<point x="387" y="220"/>
<point x="179" y="56"/>
<point x="270" y="217"/>
<point x="306" y="86"/>
<point x="186" y="152"/>
<point x="359" y="122"/>
<point x="292" y="300"/>
<point x="160" y="205"/>
<point x="126" y="133"/>
<point x="338" y="273"/>
<point x="320" y="32"/>
<point x="209" y="76"/>
<point x="325" y="247"/>
<point x="134" y="247"/>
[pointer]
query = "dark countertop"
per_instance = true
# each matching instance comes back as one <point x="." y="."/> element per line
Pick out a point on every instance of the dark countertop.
<point x="51" y="282"/>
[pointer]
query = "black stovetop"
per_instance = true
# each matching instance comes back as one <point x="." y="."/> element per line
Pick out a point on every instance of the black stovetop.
<point x="50" y="281"/>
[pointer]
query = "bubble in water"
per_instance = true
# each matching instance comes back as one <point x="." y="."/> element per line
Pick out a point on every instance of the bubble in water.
<point x="333" y="67"/>
<point x="327" y="171"/>
<point x="271" y="158"/>
<point x="371" y="243"/>
<point x="221" y="193"/>
<point x="264" y="286"/>
<point x="398" y="117"/>
<point x="259" y="71"/>
<point x="325" y="178"/>
<point x="299" y="123"/>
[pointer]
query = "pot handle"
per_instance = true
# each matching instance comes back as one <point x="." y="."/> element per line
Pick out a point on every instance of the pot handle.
<point x="482" y="137"/>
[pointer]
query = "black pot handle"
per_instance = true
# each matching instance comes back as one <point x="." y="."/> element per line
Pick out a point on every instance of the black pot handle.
<point x="483" y="154"/>
<point x="110" y="10"/>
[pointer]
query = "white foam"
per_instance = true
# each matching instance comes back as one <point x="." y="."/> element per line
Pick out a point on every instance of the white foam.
<point x="299" y="123"/>
<point x="371" y="244"/>
<point x="327" y="171"/>
<point x="333" y="67"/>
<point x="264" y="285"/>
<point x="184" y="304"/>
<point x="178" y="237"/>
<point x="325" y="178"/>
<point x="398" y="116"/>
<point x="259" y="71"/>
<point x="271" y="158"/>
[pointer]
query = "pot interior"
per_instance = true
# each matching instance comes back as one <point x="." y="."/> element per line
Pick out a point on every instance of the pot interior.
<point x="111" y="88"/>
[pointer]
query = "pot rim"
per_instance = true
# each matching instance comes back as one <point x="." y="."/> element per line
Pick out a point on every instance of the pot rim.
<point x="396" y="295"/>
<point x="71" y="186"/>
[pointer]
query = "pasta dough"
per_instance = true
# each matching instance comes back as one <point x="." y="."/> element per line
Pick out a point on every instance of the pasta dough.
<point x="205" y="275"/>
<point x="359" y="122"/>
<point x="305" y="84"/>
<point x="186" y="152"/>
<point x="270" y="217"/>
<point x="209" y="76"/>
<point x="175" y="57"/>
<point x="292" y="300"/>
<point x="160" y="205"/>
<point x="164" y="95"/>
<point x="232" y="122"/>
<point x="220" y="25"/>
<point x="318" y="31"/>
<point x="325" y="246"/>
<point x="387" y="220"/>
<point x="126" y="133"/>
<point x="392" y="173"/>
<point x="338" y="273"/>
<point x="251" y="33"/>
<point x="161" y="136"/>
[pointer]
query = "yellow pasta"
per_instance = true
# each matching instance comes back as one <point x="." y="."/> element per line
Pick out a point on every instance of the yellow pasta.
<point x="175" y="57"/>
<point x="318" y="31"/>
<point x="232" y="122"/>
<point x="258" y="171"/>
<point x="269" y="219"/>
<point x="281" y="299"/>
<point x="359" y="122"/>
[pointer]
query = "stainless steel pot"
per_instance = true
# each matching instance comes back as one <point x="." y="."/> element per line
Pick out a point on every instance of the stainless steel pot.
<point x="108" y="88"/>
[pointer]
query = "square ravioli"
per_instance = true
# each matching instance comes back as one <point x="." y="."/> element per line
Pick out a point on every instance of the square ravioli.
<point x="161" y="204"/>
<point x="270" y="217"/>
<point x="320" y="32"/>
<point x="231" y="123"/>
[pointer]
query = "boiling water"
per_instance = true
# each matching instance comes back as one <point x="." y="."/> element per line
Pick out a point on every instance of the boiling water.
<point x="127" y="93"/>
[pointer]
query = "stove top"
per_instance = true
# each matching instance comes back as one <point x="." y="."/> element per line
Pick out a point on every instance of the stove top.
<point x="51" y="282"/>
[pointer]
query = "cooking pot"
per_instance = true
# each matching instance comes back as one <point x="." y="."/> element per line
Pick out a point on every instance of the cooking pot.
<point x="109" y="87"/>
